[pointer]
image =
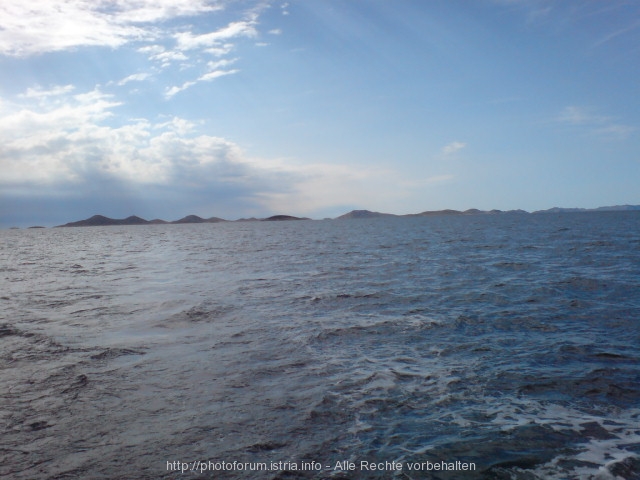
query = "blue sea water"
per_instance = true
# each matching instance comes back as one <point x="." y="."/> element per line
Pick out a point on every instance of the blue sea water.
<point x="510" y="342"/>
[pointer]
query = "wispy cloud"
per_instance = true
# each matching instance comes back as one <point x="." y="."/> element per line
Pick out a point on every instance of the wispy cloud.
<point x="40" y="26"/>
<point x="216" y="74"/>
<point x="136" y="77"/>
<point x="189" y="41"/>
<point x="453" y="147"/>
<point x="612" y="35"/>
<point x="171" y="91"/>
<point x="587" y="118"/>
<point x="54" y="91"/>
<point x="151" y="49"/>
<point x="166" y="58"/>
<point x="217" y="43"/>
<point x="575" y="115"/>
<point x="616" y="131"/>
<point x="220" y="50"/>
<point x="217" y="64"/>
<point x="206" y="77"/>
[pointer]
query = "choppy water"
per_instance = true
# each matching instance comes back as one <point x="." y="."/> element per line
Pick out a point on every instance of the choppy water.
<point x="512" y="342"/>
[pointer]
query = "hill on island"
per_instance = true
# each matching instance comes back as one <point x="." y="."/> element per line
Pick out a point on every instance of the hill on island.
<point x="197" y="219"/>
<point x="364" y="214"/>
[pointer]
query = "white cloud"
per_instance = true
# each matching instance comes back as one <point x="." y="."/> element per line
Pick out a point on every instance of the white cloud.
<point x="136" y="77"/>
<point x="216" y="71"/>
<point x="70" y="143"/>
<point x="603" y="125"/>
<point x="216" y="74"/>
<point x="220" y="50"/>
<point x="275" y="31"/>
<point x="38" y="26"/>
<point x="142" y="11"/>
<point x="221" y="63"/>
<point x="178" y="125"/>
<point x="217" y="43"/>
<point x="152" y="49"/>
<point x="615" y="131"/>
<point x="189" y="41"/>
<point x="453" y="147"/>
<point x="171" y="91"/>
<point x="55" y="91"/>
<point x="580" y="116"/>
<point x="166" y="58"/>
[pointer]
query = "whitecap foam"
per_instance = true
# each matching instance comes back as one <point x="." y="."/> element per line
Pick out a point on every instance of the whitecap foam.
<point x="594" y="458"/>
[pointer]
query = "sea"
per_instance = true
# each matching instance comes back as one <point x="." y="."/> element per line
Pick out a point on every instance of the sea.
<point x="448" y="347"/>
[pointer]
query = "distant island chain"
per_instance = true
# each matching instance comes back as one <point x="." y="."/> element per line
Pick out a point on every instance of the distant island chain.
<point x="100" y="220"/>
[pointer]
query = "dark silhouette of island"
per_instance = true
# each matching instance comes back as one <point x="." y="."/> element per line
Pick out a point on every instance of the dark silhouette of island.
<point x="281" y="218"/>
<point x="614" y="208"/>
<point x="471" y="211"/>
<point x="101" y="220"/>
<point x="474" y="211"/>
<point x="427" y="213"/>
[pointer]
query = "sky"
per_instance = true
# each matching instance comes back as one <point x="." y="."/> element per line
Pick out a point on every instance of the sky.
<point x="240" y="108"/>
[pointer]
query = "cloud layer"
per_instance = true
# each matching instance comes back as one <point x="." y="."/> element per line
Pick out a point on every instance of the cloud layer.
<point x="44" y="26"/>
<point x="64" y="144"/>
<point x="56" y="138"/>
<point x="40" y="26"/>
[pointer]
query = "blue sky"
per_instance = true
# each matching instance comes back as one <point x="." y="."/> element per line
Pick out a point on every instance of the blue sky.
<point x="251" y="108"/>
